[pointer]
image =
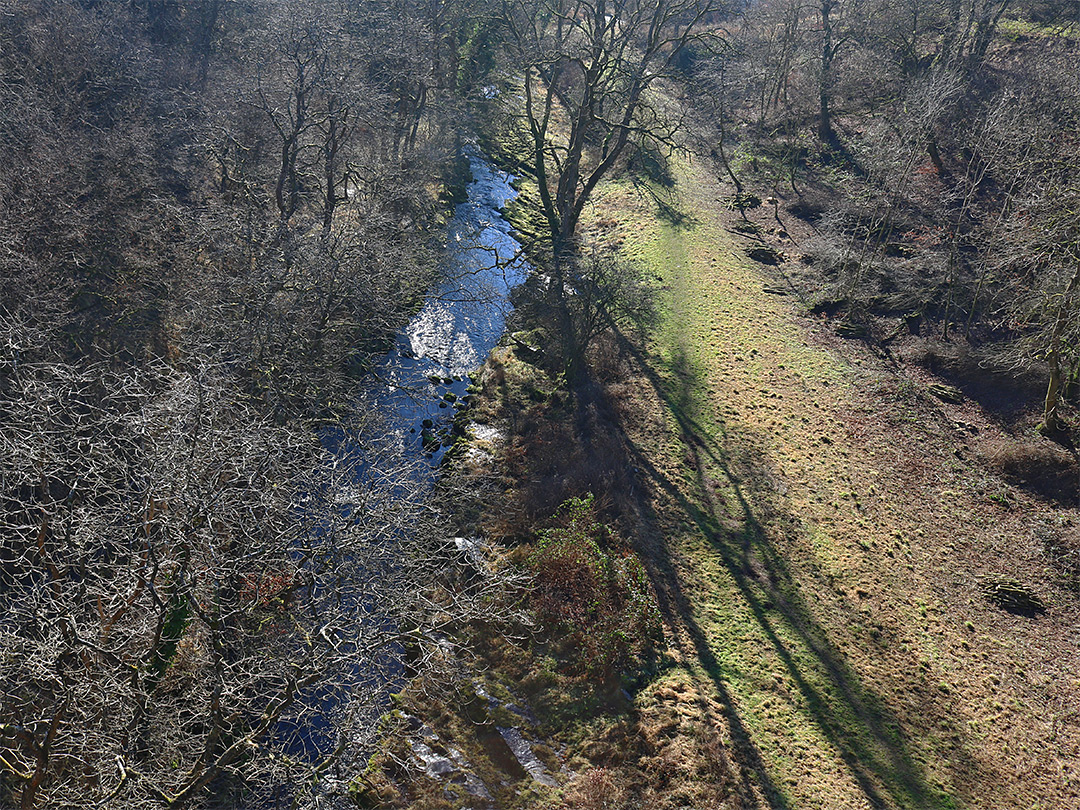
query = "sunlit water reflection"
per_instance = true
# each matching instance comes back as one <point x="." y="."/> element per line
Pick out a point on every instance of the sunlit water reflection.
<point x="424" y="376"/>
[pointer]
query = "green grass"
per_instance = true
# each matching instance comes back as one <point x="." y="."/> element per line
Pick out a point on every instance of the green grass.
<point x="1017" y="30"/>
<point x="823" y="737"/>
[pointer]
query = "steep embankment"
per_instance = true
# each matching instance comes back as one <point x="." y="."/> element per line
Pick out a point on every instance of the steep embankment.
<point x="819" y="529"/>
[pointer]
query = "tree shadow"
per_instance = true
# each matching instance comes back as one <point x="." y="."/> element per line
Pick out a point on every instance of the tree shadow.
<point x="649" y="163"/>
<point x="664" y="198"/>
<point x="849" y="715"/>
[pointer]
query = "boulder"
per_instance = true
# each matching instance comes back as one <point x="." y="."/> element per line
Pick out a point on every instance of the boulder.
<point x="524" y="754"/>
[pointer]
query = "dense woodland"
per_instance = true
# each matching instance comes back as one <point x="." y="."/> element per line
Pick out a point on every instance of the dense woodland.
<point x="213" y="212"/>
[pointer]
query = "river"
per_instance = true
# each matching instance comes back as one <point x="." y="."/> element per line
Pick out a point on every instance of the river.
<point x="416" y="388"/>
<point x="420" y="381"/>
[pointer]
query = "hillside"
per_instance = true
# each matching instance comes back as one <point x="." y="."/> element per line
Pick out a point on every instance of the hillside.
<point x="822" y="534"/>
<point x="822" y="531"/>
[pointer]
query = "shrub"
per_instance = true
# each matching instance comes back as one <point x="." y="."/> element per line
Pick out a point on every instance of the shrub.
<point x="600" y="600"/>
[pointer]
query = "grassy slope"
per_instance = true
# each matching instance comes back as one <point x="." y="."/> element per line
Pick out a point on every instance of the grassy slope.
<point x="816" y="528"/>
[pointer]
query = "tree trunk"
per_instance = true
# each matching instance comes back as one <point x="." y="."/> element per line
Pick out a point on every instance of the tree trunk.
<point x="984" y="32"/>
<point x="828" y="52"/>
<point x="1052" y="423"/>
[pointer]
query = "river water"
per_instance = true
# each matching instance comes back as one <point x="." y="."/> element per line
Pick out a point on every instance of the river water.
<point x="415" y="388"/>
<point x="418" y="383"/>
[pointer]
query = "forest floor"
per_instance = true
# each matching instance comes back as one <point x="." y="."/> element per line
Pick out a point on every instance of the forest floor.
<point x="821" y="532"/>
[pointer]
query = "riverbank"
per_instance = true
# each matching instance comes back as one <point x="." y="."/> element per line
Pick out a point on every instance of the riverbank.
<point x="821" y="533"/>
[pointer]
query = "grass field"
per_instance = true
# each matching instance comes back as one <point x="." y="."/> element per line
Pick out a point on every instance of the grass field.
<point x="817" y="527"/>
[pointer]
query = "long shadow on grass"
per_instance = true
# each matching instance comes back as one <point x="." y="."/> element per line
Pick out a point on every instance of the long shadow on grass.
<point x="665" y="201"/>
<point x="857" y="722"/>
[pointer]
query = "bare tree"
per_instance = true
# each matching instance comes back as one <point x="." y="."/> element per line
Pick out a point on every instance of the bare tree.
<point x="192" y="596"/>
<point x="588" y="71"/>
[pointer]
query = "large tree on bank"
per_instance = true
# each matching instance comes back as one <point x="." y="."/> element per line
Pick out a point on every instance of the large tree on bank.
<point x="588" y="68"/>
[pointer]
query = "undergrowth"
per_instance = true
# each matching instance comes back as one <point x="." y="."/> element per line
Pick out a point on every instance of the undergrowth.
<point x="599" y="601"/>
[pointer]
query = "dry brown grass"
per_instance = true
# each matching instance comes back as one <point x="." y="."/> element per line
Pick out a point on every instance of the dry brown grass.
<point x="596" y="789"/>
<point x="1038" y="466"/>
<point x="560" y="446"/>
